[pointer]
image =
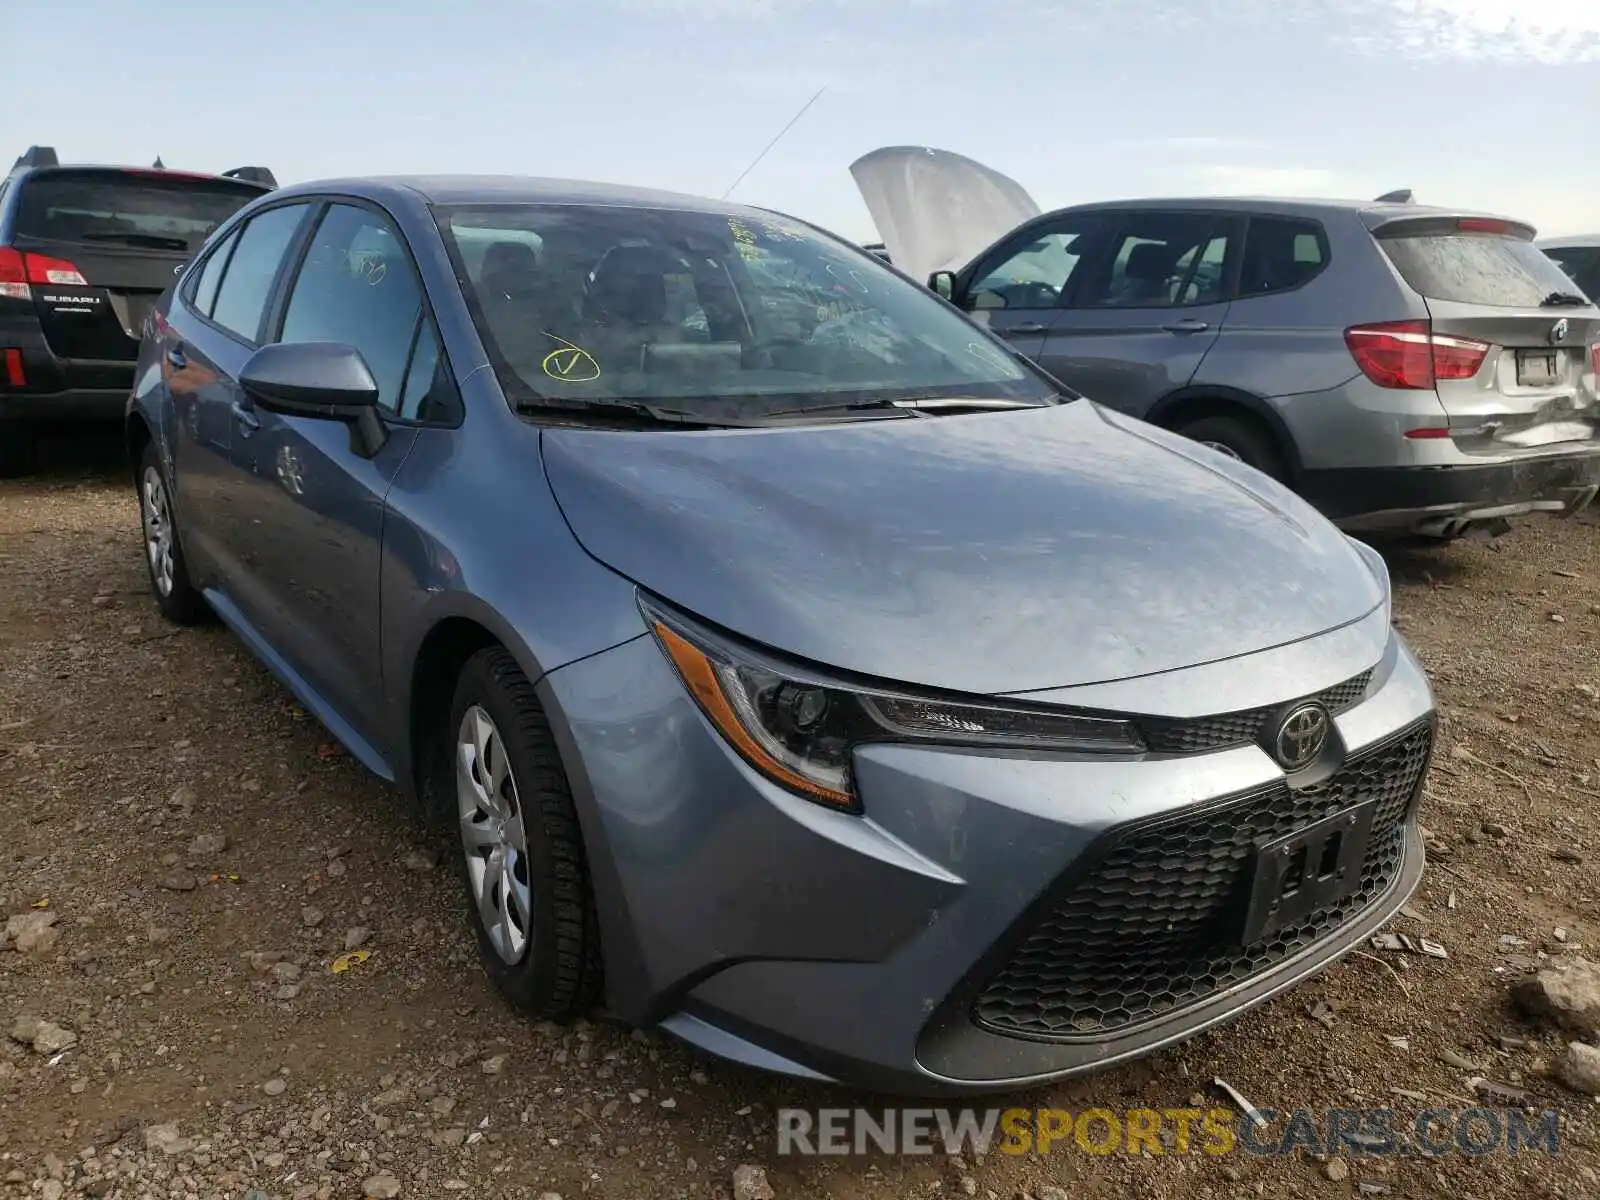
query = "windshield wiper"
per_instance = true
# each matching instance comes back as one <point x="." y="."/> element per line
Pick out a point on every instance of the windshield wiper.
<point x="630" y="413"/>
<point x="1564" y="300"/>
<point x="152" y="240"/>
<point x="914" y="407"/>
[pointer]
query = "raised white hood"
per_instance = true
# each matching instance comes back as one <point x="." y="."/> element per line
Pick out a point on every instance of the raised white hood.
<point x="936" y="209"/>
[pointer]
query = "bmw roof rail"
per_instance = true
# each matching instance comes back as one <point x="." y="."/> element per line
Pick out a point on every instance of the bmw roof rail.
<point x="38" y="156"/>
<point x="1398" y="196"/>
<point x="259" y="175"/>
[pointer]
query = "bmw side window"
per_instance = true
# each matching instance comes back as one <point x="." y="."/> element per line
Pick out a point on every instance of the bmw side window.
<point x="1035" y="274"/>
<point x="252" y="268"/>
<point x="1281" y="253"/>
<point x="357" y="286"/>
<point x="202" y="293"/>
<point x="1160" y="260"/>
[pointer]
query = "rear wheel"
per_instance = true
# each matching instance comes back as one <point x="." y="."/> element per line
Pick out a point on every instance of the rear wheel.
<point x="522" y="855"/>
<point x="180" y="602"/>
<point x="1238" y="438"/>
<point x="18" y="450"/>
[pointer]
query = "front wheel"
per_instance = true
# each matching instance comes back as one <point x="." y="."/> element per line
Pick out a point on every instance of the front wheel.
<point x="522" y="855"/>
<point x="176" y="596"/>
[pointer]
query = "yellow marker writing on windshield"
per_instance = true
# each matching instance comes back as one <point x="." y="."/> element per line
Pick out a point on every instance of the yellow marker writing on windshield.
<point x="569" y="363"/>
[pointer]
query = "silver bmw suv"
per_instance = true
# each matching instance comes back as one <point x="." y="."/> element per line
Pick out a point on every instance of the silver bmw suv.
<point x="1405" y="368"/>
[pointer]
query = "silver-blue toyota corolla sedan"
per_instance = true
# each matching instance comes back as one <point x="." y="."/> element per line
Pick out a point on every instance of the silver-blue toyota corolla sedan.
<point x="797" y="669"/>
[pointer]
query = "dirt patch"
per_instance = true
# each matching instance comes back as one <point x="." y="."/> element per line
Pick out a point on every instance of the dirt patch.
<point x="161" y="795"/>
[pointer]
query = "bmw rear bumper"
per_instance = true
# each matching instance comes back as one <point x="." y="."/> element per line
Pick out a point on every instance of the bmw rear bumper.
<point x="928" y="947"/>
<point x="1423" y="497"/>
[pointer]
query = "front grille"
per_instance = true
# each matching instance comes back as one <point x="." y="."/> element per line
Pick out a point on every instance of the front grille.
<point x="1166" y="735"/>
<point x="1151" y="925"/>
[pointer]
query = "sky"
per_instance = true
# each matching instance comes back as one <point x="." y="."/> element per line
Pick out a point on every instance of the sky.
<point x="1488" y="104"/>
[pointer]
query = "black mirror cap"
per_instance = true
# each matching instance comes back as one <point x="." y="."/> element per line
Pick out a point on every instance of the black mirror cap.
<point x="311" y="379"/>
<point x="943" y="283"/>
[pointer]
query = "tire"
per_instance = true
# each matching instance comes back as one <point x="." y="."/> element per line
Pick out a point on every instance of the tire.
<point x="175" y="594"/>
<point x="1238" y="438"/>
<point x="19" y="450"/>
<point x="538" y="935"/>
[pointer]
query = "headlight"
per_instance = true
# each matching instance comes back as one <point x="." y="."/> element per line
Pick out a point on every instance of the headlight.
<point x="800" y="729"/>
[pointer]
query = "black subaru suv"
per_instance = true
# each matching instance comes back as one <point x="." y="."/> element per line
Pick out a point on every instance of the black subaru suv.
<point x="85" y="251"/>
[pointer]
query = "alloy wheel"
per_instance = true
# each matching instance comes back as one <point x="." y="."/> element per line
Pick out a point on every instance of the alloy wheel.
<point x="158" y="537"/>
<point x="492" y="835"/>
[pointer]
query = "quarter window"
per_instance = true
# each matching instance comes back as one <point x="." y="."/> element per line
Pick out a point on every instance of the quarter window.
<point x="357" y="286"/>
<point x="204" y="293"/>
<point x="252" y="268"/>
<point x="1280" y="253"/>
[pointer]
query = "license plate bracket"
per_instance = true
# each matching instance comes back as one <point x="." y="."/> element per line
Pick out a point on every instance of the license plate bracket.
<point x="1310" y="869"/>
<point x="1536" y="368"/>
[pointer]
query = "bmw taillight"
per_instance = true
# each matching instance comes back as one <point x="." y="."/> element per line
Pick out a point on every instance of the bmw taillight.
<point x="1408" y="354"/>
<point x="20" y="269"/>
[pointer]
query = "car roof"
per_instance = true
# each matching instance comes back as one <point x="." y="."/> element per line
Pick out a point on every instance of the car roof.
<point x="1282" y="206"/>
<point x="513" y="189"/>
<point x="1572" y="241"/>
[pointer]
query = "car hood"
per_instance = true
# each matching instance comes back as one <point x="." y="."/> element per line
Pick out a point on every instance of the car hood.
<point x="990" y="553"/>
<point x="935" y="210"/>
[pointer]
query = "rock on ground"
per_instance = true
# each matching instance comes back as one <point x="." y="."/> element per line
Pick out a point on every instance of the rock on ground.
<point x="1570" y="997"/>
<point x="381" y="1187"/>
<point x="32" y="931"/>
<point x="750" y="1183"/>
<point x="1580" y="1068"/>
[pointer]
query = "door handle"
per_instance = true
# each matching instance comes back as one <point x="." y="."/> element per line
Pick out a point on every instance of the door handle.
<point x="245" y="417"/>
<point x="1027" y="327"/>
<point x="176" y="359"/>
<point x="1186" y="325"/>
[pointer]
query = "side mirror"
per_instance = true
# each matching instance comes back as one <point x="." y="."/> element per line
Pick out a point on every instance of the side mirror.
<point x="327" y="381"/>
<point x="943" y="283"/>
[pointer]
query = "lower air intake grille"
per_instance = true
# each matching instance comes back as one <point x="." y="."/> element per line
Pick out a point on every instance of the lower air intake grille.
<point x="1151" y="925"/>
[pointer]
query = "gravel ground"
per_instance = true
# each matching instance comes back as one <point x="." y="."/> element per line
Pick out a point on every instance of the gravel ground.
<point x="207" y="856"/>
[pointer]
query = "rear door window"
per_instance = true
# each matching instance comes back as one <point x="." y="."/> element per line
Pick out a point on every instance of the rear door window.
<point x="126" y="208"/>
<point x="1476" y="268"/>
<point x="248" y="278"/>
<point x="1163" y="259"/>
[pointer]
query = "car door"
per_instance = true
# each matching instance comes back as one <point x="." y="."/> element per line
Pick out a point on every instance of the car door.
<point x="316" y="503"/>
<point x="210" y="333"/>
<point x="1147" y="311"/>
<point x="1019" y="287"/>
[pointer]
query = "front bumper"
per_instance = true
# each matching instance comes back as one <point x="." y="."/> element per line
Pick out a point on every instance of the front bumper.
<point x="866" y="949"/>
<point x="1445" y="498"/>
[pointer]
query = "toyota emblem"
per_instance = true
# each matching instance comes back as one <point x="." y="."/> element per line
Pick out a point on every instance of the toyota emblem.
<point x="1558" y="332"/>
<point x="1301" y="736"/>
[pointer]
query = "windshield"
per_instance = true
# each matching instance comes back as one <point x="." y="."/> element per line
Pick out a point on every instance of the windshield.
<point x="119" y="206"/>
<point x="715" y="316"/>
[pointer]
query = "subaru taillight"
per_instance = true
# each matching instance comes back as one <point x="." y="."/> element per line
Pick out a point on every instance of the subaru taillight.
<point x="1594" y="358"/>
<point x="19" y="269"/>
<point x="1408" y="354"/>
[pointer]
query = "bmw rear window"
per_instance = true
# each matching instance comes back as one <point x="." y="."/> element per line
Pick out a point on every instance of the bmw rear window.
<point x="149" y="211"/>
<point x="1494" y="270"/>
